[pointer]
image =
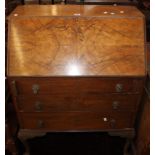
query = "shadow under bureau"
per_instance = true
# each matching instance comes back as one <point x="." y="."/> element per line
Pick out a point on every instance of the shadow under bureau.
<point x="76" y="68"/>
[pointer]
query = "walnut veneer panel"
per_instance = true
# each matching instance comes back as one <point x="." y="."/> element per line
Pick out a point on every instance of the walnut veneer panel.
<point x="76" y="46"/>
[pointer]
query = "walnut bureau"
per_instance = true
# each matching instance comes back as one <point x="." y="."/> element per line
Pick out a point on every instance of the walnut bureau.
<point x="76" y="68"/>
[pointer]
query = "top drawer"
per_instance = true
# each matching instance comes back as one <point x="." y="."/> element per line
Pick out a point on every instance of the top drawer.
<point x="110" y="85"/>
<point x="74" y="85"/>
<point x="36" y="86"/>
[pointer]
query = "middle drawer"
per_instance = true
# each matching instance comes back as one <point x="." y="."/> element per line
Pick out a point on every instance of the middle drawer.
<point x="72" y="102"/>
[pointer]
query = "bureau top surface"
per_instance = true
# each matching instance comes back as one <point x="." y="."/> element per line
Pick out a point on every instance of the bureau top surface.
<point x="75" y="10"/>
<point x="76" y="40"/>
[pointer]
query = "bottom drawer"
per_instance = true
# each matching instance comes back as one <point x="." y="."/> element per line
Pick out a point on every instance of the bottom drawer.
<point x="76" y="121"/>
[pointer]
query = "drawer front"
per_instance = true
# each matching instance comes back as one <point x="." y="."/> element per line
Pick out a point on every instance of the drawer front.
<point x="47" y="103"/>
<point x="53" y="103"/>
<point x="38" y="86"/>
<point x="76" y="121"/>
<point x="110" y="102"/>
<point x="110" y="85"/>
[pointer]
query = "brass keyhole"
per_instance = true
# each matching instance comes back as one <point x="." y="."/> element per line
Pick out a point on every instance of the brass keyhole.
<point x="113" y="123"/>
<point x="40" y="124"/>
<point x="115" y="105"/>
<point x="119" y="87"/>
<point x="38" y="106"/>
<point x="35" y="88"/>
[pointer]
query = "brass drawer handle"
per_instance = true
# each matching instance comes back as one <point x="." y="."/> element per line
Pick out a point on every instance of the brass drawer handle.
<point x="113" y="123"/>
<point x="35" y="88"/>
<point x="38" y="106"/>
<point x="119" y="87"/>
<point x="40" y="124"/>
<point x="115" y="105"/>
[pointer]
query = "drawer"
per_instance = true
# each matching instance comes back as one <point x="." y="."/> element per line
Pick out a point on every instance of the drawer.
<point x="109" y="102"/>
<point x="110" y="85"/>
<point x="47" y="103"/>
<point x="76" y="121"/>
<point x="69" y="85"/>
<point x="63" y="102"/>
<point x="37" y="86"/>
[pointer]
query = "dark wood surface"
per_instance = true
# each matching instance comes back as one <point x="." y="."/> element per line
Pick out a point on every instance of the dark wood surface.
<point x="142" y="140"/>
<point x="83" y="99"/>
<point x="77" y="121"/>
<point x="11" y="124"/>
<point x="71" y="85"/>
<point x="93" y="102"/>
<point x="143" y="125"/>
<point x="75" y="45"/>
<point x="143" y="132"/>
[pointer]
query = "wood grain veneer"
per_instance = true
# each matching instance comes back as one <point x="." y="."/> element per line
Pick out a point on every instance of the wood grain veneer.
<point x="80" y="41"/>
